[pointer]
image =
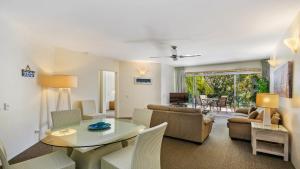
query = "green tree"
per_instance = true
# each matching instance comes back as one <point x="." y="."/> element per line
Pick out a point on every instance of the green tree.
<point x="223" y="85"/>
<point x="201" y="86"/>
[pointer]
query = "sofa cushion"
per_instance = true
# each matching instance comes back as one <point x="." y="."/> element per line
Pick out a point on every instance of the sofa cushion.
<point x="185" y="110"/>
<point x="251" y="109"/>
<point x="158" y="107"/>
<point x="253" y="115"/>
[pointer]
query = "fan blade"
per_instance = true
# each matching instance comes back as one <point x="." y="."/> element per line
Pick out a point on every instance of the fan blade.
<point x="187" y="56"/>
<point x="154" y="57"/>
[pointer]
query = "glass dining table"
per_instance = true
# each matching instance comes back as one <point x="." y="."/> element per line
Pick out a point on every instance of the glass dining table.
<point x="79" y="137"/>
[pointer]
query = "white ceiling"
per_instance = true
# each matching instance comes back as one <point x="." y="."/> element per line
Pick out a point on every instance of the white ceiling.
<point x="222" y="31"/>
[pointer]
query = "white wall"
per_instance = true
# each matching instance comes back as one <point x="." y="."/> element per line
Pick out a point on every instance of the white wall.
<point x="19" y="48"/>
<point x="290" y="112"/>
<point x="167" y="83"/>
<point x="129" y="95"/>
<point x="225" y="66"/>
<point x="138" y="96"/>
<point x="87" y="68"/>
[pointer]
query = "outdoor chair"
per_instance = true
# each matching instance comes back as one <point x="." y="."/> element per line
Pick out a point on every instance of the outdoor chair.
<point x="222" y="103"/>
<point x="204" y="101"/>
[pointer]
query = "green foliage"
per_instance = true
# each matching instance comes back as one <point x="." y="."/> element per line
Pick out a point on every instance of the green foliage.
<point x="189" y="80"/>
<point x="202" y="87"/>
<point x="245" y="90"/>
<point x="219" y="85"/>
<point x="263" y="86"/>
<point x="223" y="85"/>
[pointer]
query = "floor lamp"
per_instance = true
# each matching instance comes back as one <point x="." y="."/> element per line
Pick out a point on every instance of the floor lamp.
<point x="62" y="83"/>
<point x="268" y="101"/>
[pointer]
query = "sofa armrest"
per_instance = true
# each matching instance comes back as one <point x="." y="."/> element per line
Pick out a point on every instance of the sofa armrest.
<point x="242" y="120"/>
<point x="207" y="120"/>
<point x="242" y="110"/>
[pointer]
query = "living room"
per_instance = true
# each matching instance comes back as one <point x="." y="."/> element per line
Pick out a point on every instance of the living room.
<point x="151" y="58"/>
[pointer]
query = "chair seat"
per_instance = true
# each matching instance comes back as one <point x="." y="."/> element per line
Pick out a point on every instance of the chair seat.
<point x="93" y="116"/>
<point x="55" y="160"/>
<point x="118" y="160"/>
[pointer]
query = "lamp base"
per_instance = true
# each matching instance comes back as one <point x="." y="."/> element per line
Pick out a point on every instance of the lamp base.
<point x="267" y="117"/>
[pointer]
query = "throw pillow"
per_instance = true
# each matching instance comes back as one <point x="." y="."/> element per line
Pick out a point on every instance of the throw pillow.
<point x="253" y="115"/>
<point x="275" y="118"/>
<point x="251" y="109"/>
<point x="260" y="115"/>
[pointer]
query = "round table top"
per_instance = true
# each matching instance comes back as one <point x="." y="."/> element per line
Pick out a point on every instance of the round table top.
<point x="78" y="136"/>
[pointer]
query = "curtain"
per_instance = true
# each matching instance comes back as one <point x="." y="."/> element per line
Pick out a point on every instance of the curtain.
<point x="180" y="79"/>
<point x="265" y="69"/>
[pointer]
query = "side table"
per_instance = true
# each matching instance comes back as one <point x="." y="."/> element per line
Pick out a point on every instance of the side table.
<point x="273" y="139"/>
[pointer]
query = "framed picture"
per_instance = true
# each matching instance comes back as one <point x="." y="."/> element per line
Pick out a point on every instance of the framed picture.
<point x="142" y="81"/>
<point x="283" y="80"/>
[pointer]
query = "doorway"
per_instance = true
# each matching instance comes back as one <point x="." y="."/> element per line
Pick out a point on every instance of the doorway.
<point x="108" y="93"/>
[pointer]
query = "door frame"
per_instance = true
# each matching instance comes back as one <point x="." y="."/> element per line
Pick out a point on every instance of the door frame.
<point x="101" y="91"/>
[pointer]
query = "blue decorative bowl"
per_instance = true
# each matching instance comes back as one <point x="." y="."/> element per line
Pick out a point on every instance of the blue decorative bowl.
<point x="99" y="126"/>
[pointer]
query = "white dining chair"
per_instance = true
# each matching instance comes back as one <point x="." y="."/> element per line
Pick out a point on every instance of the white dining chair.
<point x="65" y="118"/>
<point x="89" y="110"/>
<point x="62" y="119"/>
<point x="55" y="160"/>
<point x="142" y="117"/>
<point x="139" y="117"/>
<point x="144" y="154"/>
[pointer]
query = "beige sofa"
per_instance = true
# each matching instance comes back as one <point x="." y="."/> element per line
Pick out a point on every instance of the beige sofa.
<point x="240" y="125"/>
<point x="183" y="123"/>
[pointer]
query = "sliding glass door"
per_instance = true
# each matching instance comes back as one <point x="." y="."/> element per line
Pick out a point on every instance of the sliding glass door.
<point x="239" y="88"/>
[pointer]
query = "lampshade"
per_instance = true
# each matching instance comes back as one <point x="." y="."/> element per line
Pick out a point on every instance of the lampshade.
<point x="58" y="81"/>
<point x="292" y="43"/>
<point x="267" y="100"/>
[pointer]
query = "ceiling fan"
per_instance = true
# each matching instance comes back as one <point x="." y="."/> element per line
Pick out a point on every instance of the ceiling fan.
<point x="175" y="56"/>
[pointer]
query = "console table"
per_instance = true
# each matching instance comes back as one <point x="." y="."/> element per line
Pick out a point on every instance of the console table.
<point x="273" y="139"/>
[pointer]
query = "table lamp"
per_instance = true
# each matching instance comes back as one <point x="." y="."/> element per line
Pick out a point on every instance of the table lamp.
<point x="268" y="101"/>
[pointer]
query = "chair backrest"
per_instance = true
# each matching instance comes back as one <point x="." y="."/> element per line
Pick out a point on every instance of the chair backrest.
<point x="203" y="99"/>
<point x="3" y="156"/>
<point x="88" y="107"/>
<point x="142" y="117"/>
<point x="147" y="149"/>
<point x="223" y="101"/>
<point x="65" y="118"/>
